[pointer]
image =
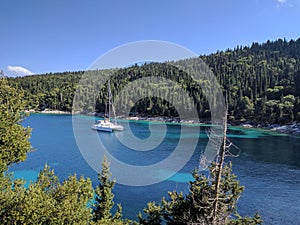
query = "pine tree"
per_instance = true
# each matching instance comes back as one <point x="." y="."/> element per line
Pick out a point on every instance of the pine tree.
<point x="211" y="199"/>
<point x="104" y="198"/>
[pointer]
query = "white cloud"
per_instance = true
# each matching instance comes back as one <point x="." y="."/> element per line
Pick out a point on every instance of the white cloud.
<point x="280" y="3"/>
<point x="19" y="71"/>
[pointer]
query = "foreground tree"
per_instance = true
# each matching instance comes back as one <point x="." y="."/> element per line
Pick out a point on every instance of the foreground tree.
<point x="211" y="199"/>
<point x="198" y="205"/>
<point x="47" y="201"/>
<point x="14" y="138"/>
<point x="104" y="197"/>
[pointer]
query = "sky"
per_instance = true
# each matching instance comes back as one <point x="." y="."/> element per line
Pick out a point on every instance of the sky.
<point x="69" y="35"/>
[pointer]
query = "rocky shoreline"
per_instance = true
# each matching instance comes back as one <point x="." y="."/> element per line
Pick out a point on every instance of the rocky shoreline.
<point x="49" y="111"/>
<point x="293" y="128"/>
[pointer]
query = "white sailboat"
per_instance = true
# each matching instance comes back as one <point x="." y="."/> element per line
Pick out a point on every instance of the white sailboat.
<point x="106" y="124"/>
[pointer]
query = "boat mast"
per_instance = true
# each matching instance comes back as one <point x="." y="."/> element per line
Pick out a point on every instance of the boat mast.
<point x="110" y="103"/>
<point x="109" y="100"/>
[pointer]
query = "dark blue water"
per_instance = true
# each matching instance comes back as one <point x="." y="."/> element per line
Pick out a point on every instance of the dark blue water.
<point x="268" y="165"/>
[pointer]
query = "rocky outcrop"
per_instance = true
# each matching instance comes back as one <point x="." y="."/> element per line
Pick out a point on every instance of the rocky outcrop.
<point x="289" y="129"/>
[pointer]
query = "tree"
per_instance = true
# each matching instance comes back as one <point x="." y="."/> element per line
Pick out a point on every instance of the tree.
<point x="14" y="138"/>
<point x="198" y="206"/>
<point x="104" y="196"/>
<point x="211" y="198"/>
<point x="246" y="106"/>
<point x="47" y="201"/>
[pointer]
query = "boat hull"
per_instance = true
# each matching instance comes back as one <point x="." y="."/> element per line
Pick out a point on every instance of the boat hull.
<point x="117" y="127"/>
<point x="101" y="128"/>
<point x="107" y="126"/>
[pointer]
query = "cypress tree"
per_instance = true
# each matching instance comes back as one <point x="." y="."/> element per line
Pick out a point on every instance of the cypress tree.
<point x="104" y="195"/>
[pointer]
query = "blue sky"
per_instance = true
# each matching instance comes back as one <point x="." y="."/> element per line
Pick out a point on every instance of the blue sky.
<point x="68" y="35"/>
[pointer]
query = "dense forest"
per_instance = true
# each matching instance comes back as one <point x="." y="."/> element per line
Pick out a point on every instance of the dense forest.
<point x="261" y="84"/>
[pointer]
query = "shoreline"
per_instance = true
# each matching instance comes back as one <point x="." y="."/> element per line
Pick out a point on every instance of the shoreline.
<point x="48" y="111"/>
<point x="292" y="129"/>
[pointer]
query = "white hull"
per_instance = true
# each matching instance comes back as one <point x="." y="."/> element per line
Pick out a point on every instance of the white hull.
<point x="107" y="126"/>
<point x="101" y="128"/>
<point x="117" y="127"/>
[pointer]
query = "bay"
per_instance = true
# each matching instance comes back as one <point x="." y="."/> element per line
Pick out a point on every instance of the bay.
<point x="268" y="164"/>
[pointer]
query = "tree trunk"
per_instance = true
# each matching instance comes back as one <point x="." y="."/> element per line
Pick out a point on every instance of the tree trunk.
<point x="219" y="166"/>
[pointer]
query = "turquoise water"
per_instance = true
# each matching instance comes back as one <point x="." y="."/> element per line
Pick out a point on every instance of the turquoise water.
<point x="268" y="165"/>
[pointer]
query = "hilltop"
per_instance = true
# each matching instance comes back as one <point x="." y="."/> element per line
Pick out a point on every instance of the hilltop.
<point x="261" y="84"/>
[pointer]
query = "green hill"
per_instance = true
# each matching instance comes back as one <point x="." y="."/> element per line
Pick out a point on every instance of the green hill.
<point x="261" y="83"/>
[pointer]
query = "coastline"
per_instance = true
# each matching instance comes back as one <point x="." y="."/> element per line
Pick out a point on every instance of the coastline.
<point x="49" y="111"/>
<point x="292" y="129"/>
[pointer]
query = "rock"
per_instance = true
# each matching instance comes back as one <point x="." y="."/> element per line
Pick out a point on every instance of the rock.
<point x="247" y="125"/>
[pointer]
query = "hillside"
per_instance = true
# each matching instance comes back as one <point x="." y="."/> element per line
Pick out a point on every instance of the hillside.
<point x="261" y="83"/>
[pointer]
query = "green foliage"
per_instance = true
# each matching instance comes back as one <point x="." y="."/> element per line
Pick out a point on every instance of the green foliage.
<point x="14" y="138"/>
<point x="104" y="196"/>
<point x="245" y="220"/>
<point x="46" y="201"/>
<point x="52" y="91"/>
<point x="197" y="205"/>
<point x="154" y="213"/>
<point x="250" y="77"/>
<point x="104" y="203"/>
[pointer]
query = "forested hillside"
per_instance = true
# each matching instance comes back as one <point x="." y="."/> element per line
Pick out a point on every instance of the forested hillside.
<point x="261" y="83"/>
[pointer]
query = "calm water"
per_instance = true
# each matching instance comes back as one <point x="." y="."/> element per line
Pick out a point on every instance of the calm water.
<point x="269" y="165"/>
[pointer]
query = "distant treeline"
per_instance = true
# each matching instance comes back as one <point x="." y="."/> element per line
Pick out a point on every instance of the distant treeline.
<point x="261" y="84"/>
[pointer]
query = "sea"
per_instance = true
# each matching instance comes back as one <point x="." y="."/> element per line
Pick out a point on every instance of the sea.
<point x="265" y="162"/>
